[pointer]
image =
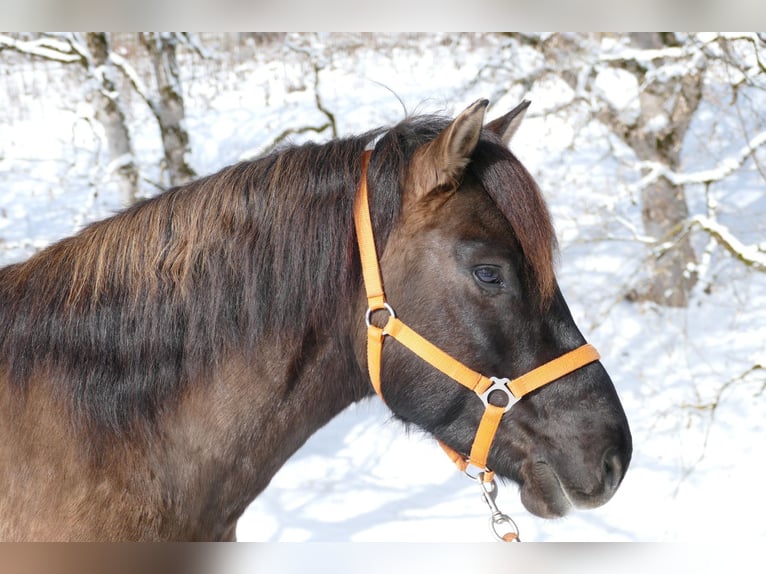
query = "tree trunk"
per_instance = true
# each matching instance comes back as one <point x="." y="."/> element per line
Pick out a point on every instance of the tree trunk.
<point x="110" y="115"/>
<point x="169" y="107"/>
<point x="667" y="108"/>
<point x="673" y="273"/>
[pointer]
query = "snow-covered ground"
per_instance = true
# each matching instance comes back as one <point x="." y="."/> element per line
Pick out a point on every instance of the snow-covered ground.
<point x="686" y="377"/>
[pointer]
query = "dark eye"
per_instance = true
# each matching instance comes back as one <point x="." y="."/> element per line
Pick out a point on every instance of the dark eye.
<point x="489" y="276"/>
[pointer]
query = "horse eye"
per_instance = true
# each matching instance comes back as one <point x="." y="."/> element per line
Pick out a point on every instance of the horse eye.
<point x="489" y="275"/>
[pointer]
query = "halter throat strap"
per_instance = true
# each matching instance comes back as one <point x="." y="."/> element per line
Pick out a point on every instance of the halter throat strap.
<point x="483" y="386"/>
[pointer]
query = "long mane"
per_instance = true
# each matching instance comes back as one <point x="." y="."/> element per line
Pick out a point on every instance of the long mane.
<point x="122" y="316"/>
<point x="517" y="196"/>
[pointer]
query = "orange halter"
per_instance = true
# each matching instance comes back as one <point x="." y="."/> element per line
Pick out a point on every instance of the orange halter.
<point x="481" y="385"/>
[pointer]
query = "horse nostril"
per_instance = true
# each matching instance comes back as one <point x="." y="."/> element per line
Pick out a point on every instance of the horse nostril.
<point x="613" y="469"/>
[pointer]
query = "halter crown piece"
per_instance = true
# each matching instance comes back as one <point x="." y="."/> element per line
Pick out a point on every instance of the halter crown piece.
<point x="480" y="384"/>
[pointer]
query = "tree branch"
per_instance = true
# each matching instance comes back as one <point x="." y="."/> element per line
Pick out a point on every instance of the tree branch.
<point x="130" y="73"/>
<point x="723" y="170"/>
<point x="320" y="106"/>
<point x="751" y="255"/>
<point x="46" y="48"/>
<point x="282" y="137"/>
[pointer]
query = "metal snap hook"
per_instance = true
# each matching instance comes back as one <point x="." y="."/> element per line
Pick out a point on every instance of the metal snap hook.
<point x="502" y="526"/>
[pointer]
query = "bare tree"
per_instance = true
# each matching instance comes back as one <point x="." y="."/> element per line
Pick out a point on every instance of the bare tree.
<point x="667" y="103"/>
<point x="669" y="72"/>
<point x="110" y="114"/>
<point x="317" y="62"/>
<point x="94" y="55"/>
<point x="742" y="70"/>
<point x="168" y="107"/>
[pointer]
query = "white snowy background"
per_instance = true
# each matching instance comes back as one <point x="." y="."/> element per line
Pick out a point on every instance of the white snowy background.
<point x="691" y="380"/>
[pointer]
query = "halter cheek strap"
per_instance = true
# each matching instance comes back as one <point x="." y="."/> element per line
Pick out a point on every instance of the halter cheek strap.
<point x="483" y="386"/>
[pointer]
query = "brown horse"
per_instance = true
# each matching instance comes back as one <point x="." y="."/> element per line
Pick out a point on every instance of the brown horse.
<point x="159" y="367"/>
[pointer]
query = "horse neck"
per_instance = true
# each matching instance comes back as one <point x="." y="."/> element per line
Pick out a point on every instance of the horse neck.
<point x="214" y="449"/>
<point x="218" y="439"/>
<point x="226" y="440"/>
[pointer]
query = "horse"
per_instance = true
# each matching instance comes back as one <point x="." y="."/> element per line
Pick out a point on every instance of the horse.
<point x="158" y="367"/>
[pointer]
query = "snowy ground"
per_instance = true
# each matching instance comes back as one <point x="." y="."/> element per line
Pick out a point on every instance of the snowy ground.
<point x="696" y="471"/>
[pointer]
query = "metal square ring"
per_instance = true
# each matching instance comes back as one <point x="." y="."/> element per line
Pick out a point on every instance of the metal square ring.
<point x="502" y="386"/>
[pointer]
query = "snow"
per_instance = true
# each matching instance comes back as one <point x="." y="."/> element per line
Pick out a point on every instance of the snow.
<point x="691" y="380"/>
<point x="620" y="89"/>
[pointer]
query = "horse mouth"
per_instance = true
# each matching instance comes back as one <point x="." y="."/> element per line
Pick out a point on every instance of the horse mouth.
<point x="543" y="494"/>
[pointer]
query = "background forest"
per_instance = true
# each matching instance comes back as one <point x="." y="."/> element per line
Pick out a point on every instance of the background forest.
<point x="650" y="149"/>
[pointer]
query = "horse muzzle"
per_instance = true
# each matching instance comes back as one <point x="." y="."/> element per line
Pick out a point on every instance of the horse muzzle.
<point x="550" y="490"/>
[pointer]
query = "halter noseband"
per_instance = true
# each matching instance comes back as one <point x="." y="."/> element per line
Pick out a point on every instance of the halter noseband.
<point x="483" y="386"/>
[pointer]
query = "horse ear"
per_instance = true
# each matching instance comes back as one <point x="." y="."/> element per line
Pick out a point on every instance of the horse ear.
<point x="441" y="162"/>
<point x="505" y="126"/>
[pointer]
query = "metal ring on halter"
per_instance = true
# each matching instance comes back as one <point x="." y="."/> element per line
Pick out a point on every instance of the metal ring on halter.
<point x="500" y="385"/>
<point x="368" y="315"/>
<point x="479" y="476"/>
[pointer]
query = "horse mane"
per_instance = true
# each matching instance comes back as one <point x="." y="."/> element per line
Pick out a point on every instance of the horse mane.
<point x="123" y="315"/>
<point x="518" y="197"/>
<point x="506" y="180"/>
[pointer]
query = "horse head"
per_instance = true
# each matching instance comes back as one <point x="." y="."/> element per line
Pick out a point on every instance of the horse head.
<point x="468" y="265"/>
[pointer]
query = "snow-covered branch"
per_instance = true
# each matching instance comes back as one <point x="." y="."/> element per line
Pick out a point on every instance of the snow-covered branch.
<point x="47" y="48"/>
<point x="644" y="56"/>
<point x="132" y="76"/>
<point x="751" y="255"/>
<point x="724" y="169"/>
